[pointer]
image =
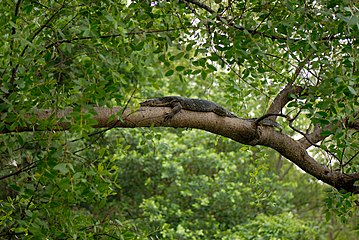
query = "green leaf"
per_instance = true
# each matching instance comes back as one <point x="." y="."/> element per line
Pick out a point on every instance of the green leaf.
<point x="178" y="56"/>
<point x="327" y="216"/>
<point x="169" y="73"/>
<point x="352" y="90"/>
<point x="203" y="74"/>
<point x="211" y="67"/>
<point x="190" y="46"/>
<point x="195" y="72"/>
<point x="323" y="114"/>
<point x="139" y="46"/>
<point x="162" y="58"/>
<point x="326" y="133"/>
<point x="62" y="167"/>
<point x="100" y="167"/>
<point x="180" y="68"/>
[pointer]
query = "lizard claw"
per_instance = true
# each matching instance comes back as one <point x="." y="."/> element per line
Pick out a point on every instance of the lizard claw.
<point x="168" y="116"/>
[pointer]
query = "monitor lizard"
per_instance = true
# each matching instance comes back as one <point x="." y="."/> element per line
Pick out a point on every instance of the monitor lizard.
<point x="197" y="105"/>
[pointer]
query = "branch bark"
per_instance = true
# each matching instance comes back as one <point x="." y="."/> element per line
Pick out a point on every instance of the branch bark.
<point x="283" y="98"/>
<point x="240" y="130"/>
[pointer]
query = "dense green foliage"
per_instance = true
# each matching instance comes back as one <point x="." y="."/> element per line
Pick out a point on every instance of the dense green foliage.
<point x="172" y="183"/>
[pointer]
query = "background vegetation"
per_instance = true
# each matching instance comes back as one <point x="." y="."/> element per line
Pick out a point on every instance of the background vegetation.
<point x="173" y="183"/>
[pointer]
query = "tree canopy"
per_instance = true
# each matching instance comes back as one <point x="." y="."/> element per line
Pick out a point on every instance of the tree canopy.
<point x="82" y="159"/>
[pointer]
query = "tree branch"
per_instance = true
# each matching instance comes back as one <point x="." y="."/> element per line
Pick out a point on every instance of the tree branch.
<point x="283" y="98"/>
<point x="310" y="139"/>
<point x="314" y="137"/>
<point x="240" y="130"/>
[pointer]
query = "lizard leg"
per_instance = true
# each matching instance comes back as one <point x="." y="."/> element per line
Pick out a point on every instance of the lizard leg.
<point x="220" y="111"/>
<point x="176" y="108"/>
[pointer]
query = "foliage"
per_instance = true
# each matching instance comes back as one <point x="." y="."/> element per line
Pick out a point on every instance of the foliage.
<point x="283" y="226"/>
<point x="175" y="184"/>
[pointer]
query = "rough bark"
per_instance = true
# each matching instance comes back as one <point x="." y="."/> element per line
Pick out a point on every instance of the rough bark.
<point x="240" y="130"/>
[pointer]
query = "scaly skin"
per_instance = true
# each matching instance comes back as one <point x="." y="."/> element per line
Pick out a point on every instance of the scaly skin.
<point x="197" y="105"/>
<point x="191" y="104"/>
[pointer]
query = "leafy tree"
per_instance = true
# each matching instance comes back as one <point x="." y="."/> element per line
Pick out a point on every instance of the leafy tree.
<point x="70" y="67"/>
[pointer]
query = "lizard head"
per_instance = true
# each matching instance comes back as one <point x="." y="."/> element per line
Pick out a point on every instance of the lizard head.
<point x="150" y="102"/>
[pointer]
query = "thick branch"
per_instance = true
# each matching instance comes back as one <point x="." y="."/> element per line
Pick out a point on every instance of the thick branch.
<point x="296" y="153"/>
<point x="240" y="130"/>
<point x="283" y="98"/>
<point x="310" y="139"/>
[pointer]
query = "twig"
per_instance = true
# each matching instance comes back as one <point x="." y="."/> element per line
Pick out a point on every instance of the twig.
<point x="26" y="168"/>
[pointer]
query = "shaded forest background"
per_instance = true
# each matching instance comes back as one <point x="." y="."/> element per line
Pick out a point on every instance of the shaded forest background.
<point x="174" y="183"/>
